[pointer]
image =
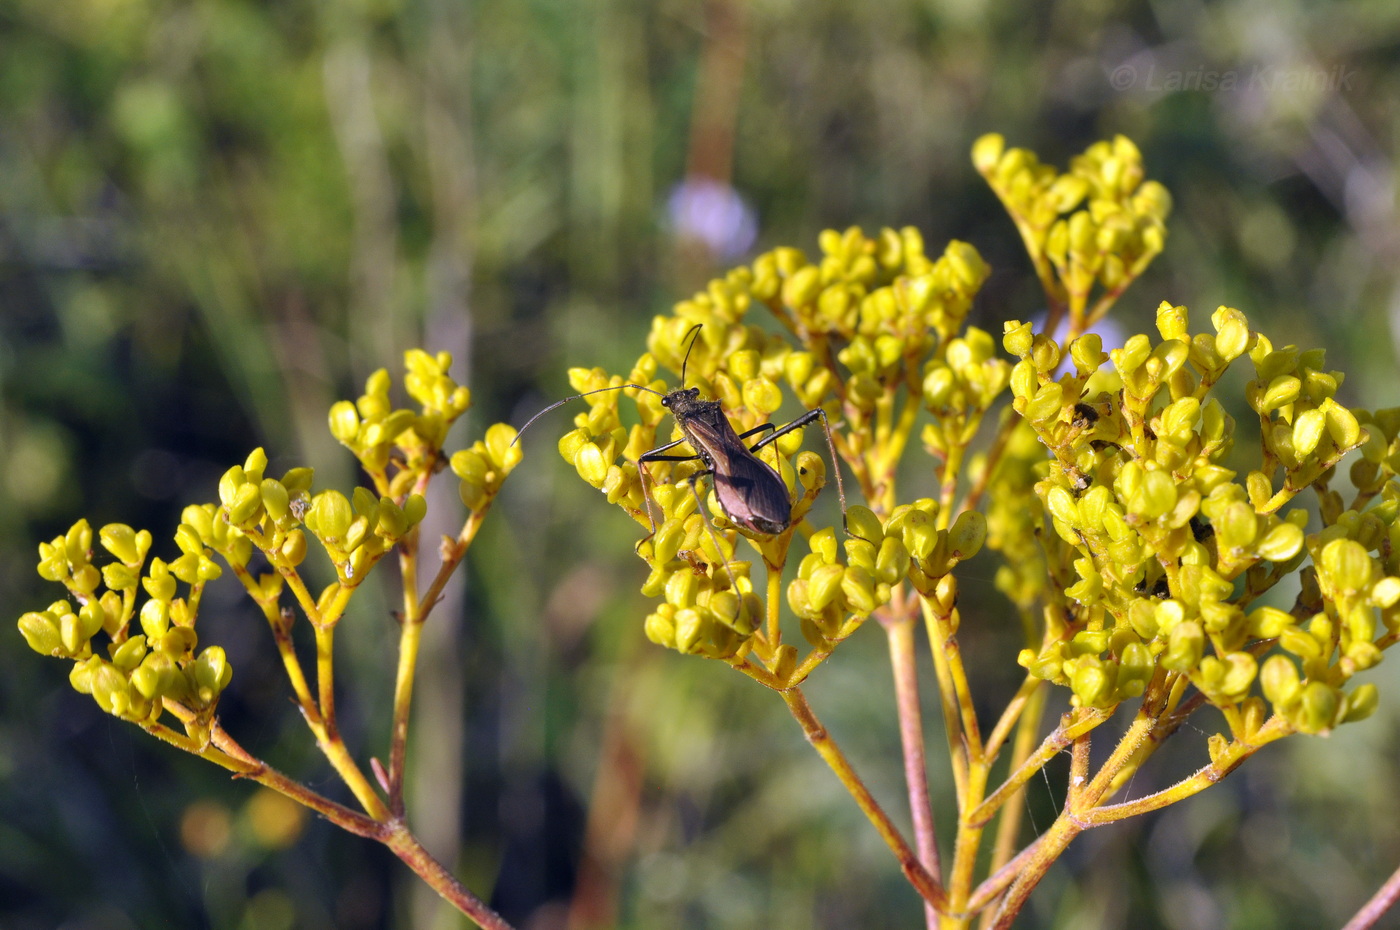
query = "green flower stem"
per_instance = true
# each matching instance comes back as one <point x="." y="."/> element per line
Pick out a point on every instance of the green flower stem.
<point x="1178" y="685"/>
<point x="1106" y="302"/>
<point x="1012" y="715"/>
<point x="329" y="739"/>
<point x="281" y="635"/>
<point x="416" y="611"/>
<point x="302" y="594"/>
<point x="1078" y="770"/>
<point x="998" y="881"/>
<point x="900" y="632"/>
<point x="944" y="643"/>
<point x="319" y="715"/>
<point x="1078" y="308"/>
<point x="1009" y="421"/>
<point x="325" y="679"/>
<point x="952" y="470"/>
<point x="392" y="832"/>
<point x="1082" y="811"/>
<point x="1125" y="752"/>
<point x="334" y="747"/>
<point x="957" y="749"/>
<point x="773" y="601"/>
<point x="815" y="658"/>
<point x="966" y="848"/>
<point x="899" y="437"/>
<point x="758" y="673"/>
<point x="224" y="751"/>
<point x="925" y="884"/>
<point x="410" y="640"/>
<point x="1072" y="725"/>
<point x="1011" y="813"/>
<point x="1043" y="854"/>
<point x="380" y="824"/>
<point x="1362" y="498"/>
<point x="808" y="665"/>
<point x="1032" y="236"/>
<point x="884" y="424"/>
<point x="1230" y="758"/>
<point x="1164" y="723"/>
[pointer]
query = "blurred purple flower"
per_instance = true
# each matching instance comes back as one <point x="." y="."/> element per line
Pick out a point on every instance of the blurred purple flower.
<point x="712" y="212"/>
<point x="1108" y="329"/>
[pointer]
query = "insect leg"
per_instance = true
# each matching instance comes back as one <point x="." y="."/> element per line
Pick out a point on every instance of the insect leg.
<point x="806" y="418"/>
<point x="710" y="528"/>
<point x="655" y="456"/>
<point x="757" y="429"/>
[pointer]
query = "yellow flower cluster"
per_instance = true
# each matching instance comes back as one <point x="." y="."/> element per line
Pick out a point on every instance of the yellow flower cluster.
<point x="1098" y="223"/>
<point x="138" y="670"/>
<point x="1129" y="546"/>
<point x="157" y="669"/>
<point x="879" y="327"/>
<point x="1171" y="551"/>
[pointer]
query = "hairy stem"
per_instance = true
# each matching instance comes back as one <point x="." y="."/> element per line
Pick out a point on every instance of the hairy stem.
<point x="1010" y="815"/>
<point x="900" y="632"/>
<point x="416" y="611"/>
<point x="927" y="885"/>
<point x="406" y="846"/>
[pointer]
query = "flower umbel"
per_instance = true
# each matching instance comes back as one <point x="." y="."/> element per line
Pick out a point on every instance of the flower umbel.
<point x="264" y="529"/>
<point x="1140" y="550"/>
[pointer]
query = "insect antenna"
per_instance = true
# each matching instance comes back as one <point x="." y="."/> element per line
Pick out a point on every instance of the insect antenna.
<point x="560" y="403"/>
<point x="693" y="334"/>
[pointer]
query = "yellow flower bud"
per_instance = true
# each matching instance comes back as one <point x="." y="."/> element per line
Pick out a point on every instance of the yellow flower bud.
<point x="246" y="505"/>
<point x="824" y="585"/>
<point x="1317" y="710"/>
<point x="762" y="396"/>
<point x="1172" y="322"/>
<point x="1361" y="703"/>
<point x="505" y="452"/>
<point x="690" y="628"/>
<point x="212" y="673"/>
<point x="892" y="563"/>
<point x="591" y="465"/>
<point x="859" y="587"/>
<point x="1345" y="566"/>
<point x="294" y="548"/>
<point x="1185" y="647"/>
<point x="120" y="540"/>
<point x="1232" y="333"/>
<point x="967" y="534"/>
<point x="987" y="152"/>
<point x="41" y="632"/>
<point x="130" y="653"/>
<point x="330" y="515"/>
<point x="1017" y="338"/>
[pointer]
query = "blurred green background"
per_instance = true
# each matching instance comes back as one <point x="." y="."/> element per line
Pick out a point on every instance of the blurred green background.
<point x="217" y="217"/>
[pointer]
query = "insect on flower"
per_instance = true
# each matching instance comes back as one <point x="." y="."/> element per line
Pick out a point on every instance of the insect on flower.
<point x="749" y="490"/>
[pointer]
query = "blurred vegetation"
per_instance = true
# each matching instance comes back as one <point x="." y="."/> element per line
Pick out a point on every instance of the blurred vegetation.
<point x="217" y="217"/>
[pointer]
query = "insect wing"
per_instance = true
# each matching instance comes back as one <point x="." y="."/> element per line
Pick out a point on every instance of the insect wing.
<point x="751" y="493"/>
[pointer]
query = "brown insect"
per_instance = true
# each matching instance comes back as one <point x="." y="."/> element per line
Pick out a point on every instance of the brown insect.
<point x="749" y="490"/>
